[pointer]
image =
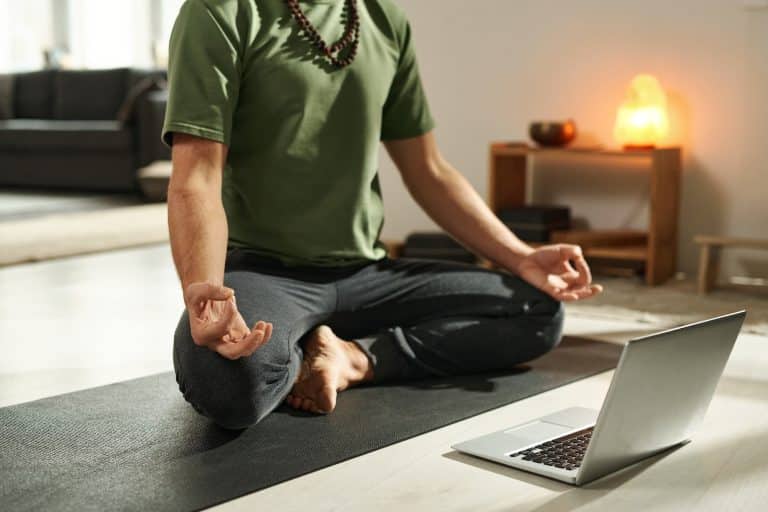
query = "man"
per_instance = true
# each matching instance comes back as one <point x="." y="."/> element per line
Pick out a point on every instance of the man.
<point x="276" y="110"/>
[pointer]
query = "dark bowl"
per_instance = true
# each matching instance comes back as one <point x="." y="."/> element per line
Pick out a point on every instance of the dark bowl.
<point x="552" y="133"/>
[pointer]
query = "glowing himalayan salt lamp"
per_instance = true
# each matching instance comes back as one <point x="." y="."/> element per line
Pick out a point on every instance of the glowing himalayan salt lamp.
<point x="642" y="120"/>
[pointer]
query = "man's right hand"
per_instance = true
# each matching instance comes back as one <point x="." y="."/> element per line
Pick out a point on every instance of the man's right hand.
<point x="217" y="324"/>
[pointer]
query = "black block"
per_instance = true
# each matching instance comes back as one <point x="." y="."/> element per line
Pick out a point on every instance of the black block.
<point x="436" y="245"/>
<point x="542" y="215"/>
<point x="536" y="223"/>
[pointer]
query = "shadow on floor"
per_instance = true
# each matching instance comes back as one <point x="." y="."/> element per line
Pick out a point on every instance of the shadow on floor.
<point x="569" y="496"/>
<point x="721" y="463"/>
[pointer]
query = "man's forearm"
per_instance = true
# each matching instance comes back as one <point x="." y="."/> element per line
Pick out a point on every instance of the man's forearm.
<point x="198" y="232"/>
<point x="451" y="201"/>
<point x="196" y="219"/>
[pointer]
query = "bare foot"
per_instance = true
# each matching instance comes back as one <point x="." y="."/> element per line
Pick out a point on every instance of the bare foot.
<point x="330" y="365"/>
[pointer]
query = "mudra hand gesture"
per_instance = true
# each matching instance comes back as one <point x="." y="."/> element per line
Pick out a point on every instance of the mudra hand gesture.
<point x="560" y="270"/>
<point x="217" y="324"/>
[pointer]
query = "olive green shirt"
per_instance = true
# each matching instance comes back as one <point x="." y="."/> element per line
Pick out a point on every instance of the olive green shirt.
<point x="301" y="181"/>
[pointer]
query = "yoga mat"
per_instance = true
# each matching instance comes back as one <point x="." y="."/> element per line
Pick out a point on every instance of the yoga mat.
<point x="137" y="445"/>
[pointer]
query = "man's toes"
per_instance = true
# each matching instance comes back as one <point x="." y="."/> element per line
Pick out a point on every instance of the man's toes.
<point x="327" y="399"/>
<point x="307" y="404"/>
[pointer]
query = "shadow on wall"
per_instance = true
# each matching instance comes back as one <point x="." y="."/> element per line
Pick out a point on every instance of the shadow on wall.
<point x="702" y="203"/>
<point x="603" y="193"/>
<point x="702" y="211"/>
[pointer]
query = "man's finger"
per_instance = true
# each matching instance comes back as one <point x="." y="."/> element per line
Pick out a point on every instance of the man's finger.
<point x="574" y="253"/>
<point x="208" y="331"/>
<point x="267" y="332"/>
<point x="586" y="291"/>
<point x="201" y="292"/>
<point x="243" y="347"/>
<point x="556" y="292"/>
<point x="232" y="350"/>
<point x="247" y="345"/>
<point x="224" y="323"/>
<point x="226" y="350"/>
<point x="593" y="289"/>
<point x="572" y="278"/>
<point x="212" y="335"/>
<point x="568" y="294"/>
<point x="565" y="295"/>
<point x="567" y="268"/>
<point x="558" y="282"/>
<point x="258" y="336"/>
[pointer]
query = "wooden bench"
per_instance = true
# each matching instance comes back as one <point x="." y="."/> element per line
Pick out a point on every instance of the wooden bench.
<point x="709" y="255"/>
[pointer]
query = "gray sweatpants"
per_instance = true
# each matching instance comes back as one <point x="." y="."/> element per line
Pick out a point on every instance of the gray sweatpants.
<point x="415" y="318"/>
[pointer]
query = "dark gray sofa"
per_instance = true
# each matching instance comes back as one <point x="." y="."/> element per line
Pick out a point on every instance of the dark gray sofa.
<point x="86" y="130"/>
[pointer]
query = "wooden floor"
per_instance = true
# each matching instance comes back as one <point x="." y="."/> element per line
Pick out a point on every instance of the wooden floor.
<point x="82" y="322"/>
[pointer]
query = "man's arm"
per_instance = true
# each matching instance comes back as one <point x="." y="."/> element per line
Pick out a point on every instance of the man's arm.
<point x="451" y="201"/>
<point x="196" y="219"/>
<point x="198" y="231"/>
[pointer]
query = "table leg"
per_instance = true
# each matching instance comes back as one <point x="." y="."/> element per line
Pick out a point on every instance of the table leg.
<point x="709" y="267"/>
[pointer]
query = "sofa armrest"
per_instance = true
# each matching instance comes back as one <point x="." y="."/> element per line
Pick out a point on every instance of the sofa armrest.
<point x="150" y="114"/>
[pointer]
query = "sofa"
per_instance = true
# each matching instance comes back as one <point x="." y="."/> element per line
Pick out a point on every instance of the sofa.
<point x="84" y="130"/>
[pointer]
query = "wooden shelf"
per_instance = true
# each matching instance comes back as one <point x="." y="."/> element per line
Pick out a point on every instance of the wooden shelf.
<point x="608" y="245"/>
<point x="516" y="149"/>
<point x="654" y="250"/>
<point x="638" y="253"/>
<point x="601" y="237"/>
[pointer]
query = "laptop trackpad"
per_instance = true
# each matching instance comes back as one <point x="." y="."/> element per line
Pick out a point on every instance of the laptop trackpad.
<point x="536" y="431"/>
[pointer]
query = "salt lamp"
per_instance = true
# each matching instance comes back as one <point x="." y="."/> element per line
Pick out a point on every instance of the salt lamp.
<point x="642" y="120"/>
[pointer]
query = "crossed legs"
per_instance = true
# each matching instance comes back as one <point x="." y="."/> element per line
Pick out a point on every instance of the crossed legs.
<point x="409" y="318"/>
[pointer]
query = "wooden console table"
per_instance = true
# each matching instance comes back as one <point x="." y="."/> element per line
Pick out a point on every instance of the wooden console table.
<point x="654" y="250"/>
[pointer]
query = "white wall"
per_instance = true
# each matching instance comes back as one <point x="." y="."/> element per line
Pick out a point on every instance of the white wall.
<point x="491" y="66"/>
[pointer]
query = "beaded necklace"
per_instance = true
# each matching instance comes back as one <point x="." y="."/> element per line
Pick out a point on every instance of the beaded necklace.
<point x="350" y="39"/>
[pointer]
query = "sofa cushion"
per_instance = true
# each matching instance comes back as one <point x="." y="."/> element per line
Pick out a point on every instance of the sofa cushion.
<point x="6" y="96"/>
<point x="33" y="96"/>
<point x="89" y="95"/>
<point x="45" y="134"/>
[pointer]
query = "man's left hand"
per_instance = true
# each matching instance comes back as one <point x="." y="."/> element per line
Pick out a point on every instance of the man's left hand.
<point x="560" y="271"/>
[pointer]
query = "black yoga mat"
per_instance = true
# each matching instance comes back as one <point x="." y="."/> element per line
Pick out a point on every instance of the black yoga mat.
<point x="136" y="445"/>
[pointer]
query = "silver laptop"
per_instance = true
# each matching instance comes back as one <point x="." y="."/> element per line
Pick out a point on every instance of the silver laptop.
<point x="659" y="393"/>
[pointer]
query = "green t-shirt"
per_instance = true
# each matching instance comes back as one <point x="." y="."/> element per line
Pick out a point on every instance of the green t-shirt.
<point x="301" y="181"/>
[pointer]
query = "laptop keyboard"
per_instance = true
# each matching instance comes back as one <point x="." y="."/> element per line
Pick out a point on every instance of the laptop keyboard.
<point x="564" y="452"/>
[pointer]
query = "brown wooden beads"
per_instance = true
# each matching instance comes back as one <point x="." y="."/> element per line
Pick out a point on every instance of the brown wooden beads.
<point x="350" y="39"/>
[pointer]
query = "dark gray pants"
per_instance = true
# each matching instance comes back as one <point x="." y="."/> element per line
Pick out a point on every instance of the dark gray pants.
<point x="415" y="318"/>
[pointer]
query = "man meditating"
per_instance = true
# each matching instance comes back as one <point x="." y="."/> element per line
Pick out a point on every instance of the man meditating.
<point x="275" y="114"/>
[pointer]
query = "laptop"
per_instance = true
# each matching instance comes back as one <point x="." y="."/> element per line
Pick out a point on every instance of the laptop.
<point x="660" y="391"/>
